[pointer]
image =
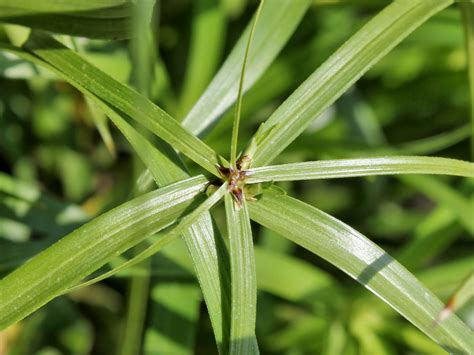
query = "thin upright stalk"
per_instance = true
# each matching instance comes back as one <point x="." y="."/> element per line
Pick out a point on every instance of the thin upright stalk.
<point x="467" y="10"/>
<point x="238" y="106"/>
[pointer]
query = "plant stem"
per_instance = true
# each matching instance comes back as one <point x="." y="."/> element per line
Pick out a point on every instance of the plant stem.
<point x="467" y="10"/>
<point x="238" y="107"/>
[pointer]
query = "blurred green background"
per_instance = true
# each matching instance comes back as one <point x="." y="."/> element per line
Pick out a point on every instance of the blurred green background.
<point x="415" y="101"/>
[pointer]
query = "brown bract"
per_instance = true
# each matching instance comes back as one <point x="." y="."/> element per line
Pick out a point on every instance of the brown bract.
<point x="235" y="178"/>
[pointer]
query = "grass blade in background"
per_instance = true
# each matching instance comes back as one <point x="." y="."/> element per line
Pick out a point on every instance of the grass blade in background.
<point x="244" y="284"/>
<point x="38" y="213"/>
<point x="356" y="255"/>
<point x="293" y="279"/>
<point x="137" y="310"/>
<point x="207" y="43"/>
<point x="430" y="145"/>
<point x="91" y="8"/>
<point x="431" y="237"/>
<point x="339" y="72"/>
<point x="278" y="21"/>
<point x="102" y="125"/>
<point x="52" y="217"/>
<point x="443" y="194"/>
<point x="467" y="9"/>
<point x="174" y="318"/>
<point x="95" y="19"/>
<point x="463" y="295"/>
<point x="329" y="169"/>
<point x="86" y="249"/>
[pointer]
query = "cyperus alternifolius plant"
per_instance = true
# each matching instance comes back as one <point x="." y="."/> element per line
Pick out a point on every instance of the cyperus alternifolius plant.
<point x="190" y="192"/>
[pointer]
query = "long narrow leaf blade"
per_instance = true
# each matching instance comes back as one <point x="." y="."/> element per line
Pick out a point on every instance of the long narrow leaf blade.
<point x="243" y="276"/>
<point x="185" y="224"/>
<point x="112" y="29"/>
<point x="330" y="169"/>
<point x="278" y="21"/>
<point x="94" y="19"/>
<point x="356" y="255"/>
<point x="98" y="8"/>
<point x="84" y="75"/>
<point x="86" y="249"/>
<point x="339" y="72"/>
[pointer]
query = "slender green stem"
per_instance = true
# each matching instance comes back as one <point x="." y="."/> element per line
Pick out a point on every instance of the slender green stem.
<point x="238" y="106"/>
<point x="467" y="9"/>
<point x="132" y="332"/>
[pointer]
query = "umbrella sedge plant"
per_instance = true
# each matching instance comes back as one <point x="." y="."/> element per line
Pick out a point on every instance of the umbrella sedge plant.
<point x="247" y="184"/>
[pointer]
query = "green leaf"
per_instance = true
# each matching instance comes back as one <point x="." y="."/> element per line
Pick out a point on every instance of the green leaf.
<point x="86" y="249"/>
<point x="207" y="251"/>
<point x="143" y="46"/>
<point x="293" y="279"/>
<point x="339" y="72"/>
<point x="209" y="257"/>
<point x="278" y="21"/>
<point x="102" y="125"/>
<point x="108" y="19"/>
<point x="25" y="203"/>
<point x="87" y="77"/>
<point x="15" y="68"/>
<point x="207" y="44"/>
<point x="137" y="310"/>
<point x="98" y="8"/>
<point x="330" y="169"/>
<point x="435" y="143"/>
<point x="356" y="255"/>
<point x="175" y="312"/>
<point x="423" y="146"/>
<point x="443" y="194"/>
<point x="244" y="284"/>
<point x="467" y="9"/>
<point x="431" y="238"/>
<point x="185" y="224"/>
<point x="463" y="295"/>
<point x="165" y="166"/>
<point x="211" y="263"/>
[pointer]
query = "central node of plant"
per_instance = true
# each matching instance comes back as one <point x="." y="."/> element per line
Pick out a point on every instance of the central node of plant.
<point x="235" y="178"/>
